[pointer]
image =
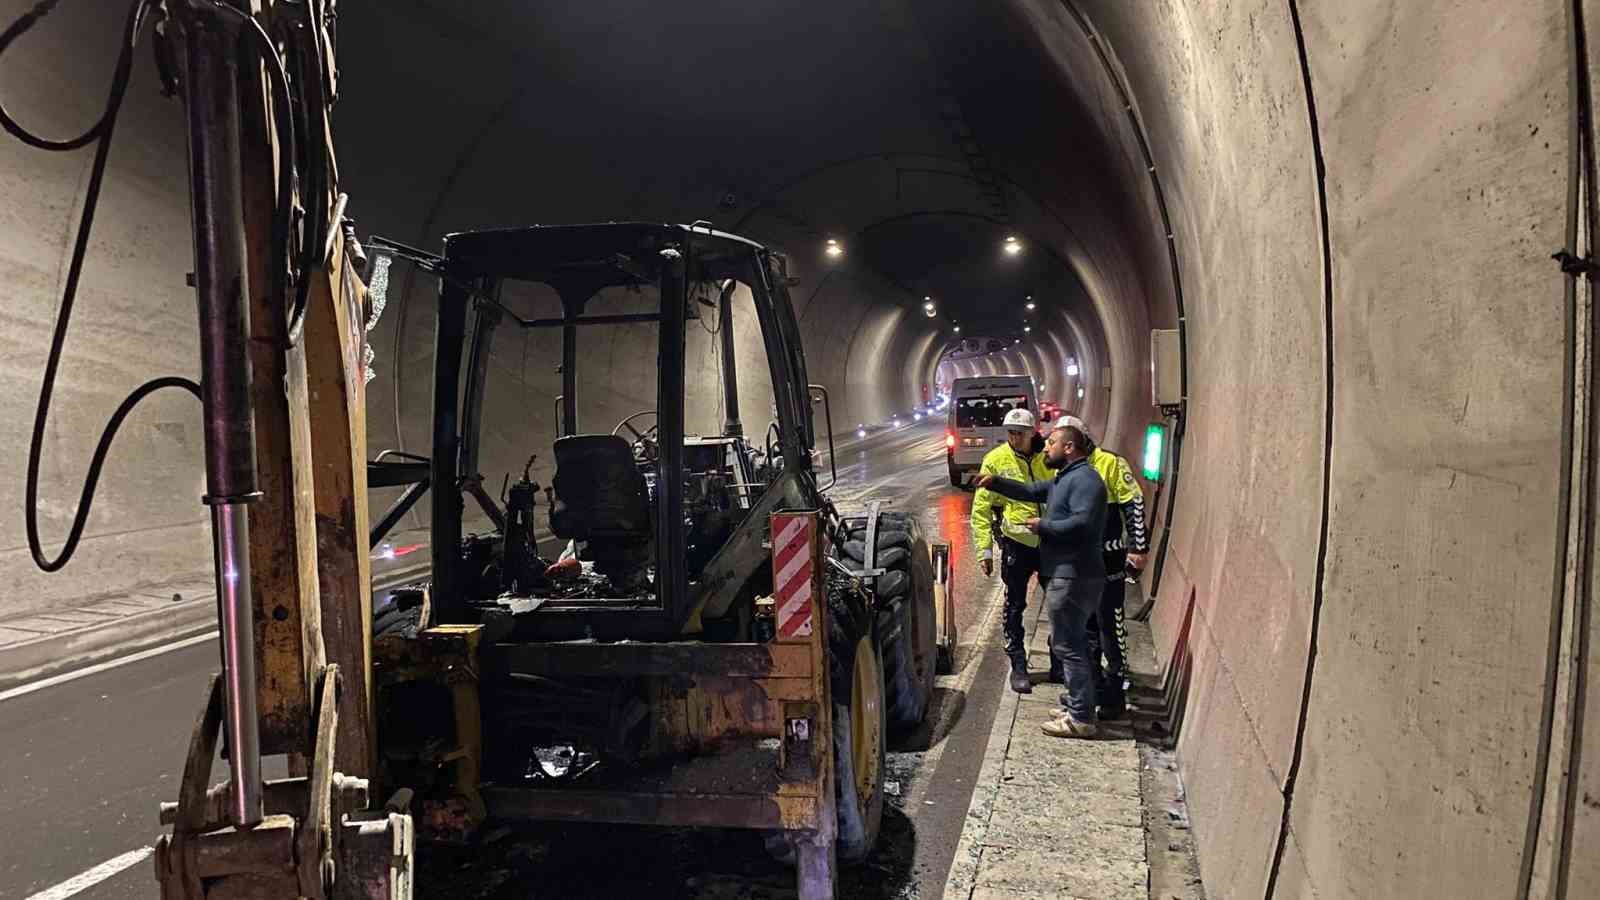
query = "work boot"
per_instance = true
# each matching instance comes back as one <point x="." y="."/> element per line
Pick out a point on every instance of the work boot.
<point x="1021" y="681"/>
<point x="1065" y="726"/>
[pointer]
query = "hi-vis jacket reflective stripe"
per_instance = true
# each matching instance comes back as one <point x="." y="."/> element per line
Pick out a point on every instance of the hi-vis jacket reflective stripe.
<point x="1124" y="512"/>
<point x="1005" y="462"/>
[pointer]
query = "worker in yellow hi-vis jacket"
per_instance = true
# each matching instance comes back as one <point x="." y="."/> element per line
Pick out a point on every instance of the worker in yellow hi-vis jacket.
<point x="997" y="520"/>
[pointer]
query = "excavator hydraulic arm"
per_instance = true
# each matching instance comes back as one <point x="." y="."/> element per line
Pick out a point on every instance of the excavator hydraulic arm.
<point x="282" y="313"/>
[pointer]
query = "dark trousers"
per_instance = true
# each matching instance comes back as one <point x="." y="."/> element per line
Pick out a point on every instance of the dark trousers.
<point x="1108" y="638"/>
<point x="1070" y="602"/>
<point x="1019" y="563"/>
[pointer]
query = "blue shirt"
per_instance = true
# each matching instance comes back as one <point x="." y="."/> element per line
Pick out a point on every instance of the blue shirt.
<point x="1072" y="520"/>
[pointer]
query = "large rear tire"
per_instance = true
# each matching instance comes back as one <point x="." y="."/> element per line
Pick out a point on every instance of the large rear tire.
<point x="955" y="474"/>
<point x="905" y="616"/>
<point x="860" y="724"/>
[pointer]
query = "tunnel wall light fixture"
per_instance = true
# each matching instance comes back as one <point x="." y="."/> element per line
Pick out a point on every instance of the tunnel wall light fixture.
<point x="1012" y="245"/>
<point x="834" y="248"/>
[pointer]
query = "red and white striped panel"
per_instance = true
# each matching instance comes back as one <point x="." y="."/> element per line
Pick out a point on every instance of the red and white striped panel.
<point x="793" y="543"/>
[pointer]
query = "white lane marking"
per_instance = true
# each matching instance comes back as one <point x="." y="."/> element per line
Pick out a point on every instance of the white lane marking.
<point x="79" y="883"/>
<point x="958" y="683"/>
<point x="97" y="668"/>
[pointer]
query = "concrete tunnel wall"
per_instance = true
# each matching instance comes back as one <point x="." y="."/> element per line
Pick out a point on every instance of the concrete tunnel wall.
<point x="1416" y="535"/>
<point x="135" y="320"/>
<point x="1412" y="760"/>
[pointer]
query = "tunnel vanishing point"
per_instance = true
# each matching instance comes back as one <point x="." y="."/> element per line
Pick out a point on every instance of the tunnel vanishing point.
<point x="1371" y="223"/>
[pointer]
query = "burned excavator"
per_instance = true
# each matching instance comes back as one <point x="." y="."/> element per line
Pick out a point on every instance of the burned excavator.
<point x="701" y="639"/>
<point x="716" y="644"/>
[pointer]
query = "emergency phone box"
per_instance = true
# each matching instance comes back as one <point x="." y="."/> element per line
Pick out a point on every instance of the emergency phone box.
<point x="1166" y="372"/>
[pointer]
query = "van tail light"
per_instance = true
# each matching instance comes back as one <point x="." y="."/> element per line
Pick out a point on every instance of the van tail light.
<point x="950" y="440"/>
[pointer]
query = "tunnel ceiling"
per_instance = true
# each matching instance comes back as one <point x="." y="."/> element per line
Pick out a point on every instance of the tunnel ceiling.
<point x="959" y="260"/>
<point x="868" y="123"/>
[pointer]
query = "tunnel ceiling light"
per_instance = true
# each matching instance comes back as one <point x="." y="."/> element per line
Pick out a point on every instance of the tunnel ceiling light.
<point x="1012" y="245"/>
<point x="1072" y="368"/>
<point x="1027" y="328"/>
<point x="834" y="248"/>
<point x="1031" y="306"/>
<point x="928" y="308"/>
<point x="1155" y="440"/>
<point x="1080" y="393"/>
<point x="958" y="329"/>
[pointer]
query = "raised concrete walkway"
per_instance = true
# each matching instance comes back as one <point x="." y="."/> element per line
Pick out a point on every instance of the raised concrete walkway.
<point x="1052" y="817"/>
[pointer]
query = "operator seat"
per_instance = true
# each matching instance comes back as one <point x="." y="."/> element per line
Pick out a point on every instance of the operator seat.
<point x="601" y="501"/>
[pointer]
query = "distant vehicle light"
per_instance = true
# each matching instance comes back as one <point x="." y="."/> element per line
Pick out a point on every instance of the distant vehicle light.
<point x="861" y="432"/>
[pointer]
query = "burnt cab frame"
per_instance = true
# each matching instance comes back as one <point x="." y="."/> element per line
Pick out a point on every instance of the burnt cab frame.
<point x="578" y="261"/>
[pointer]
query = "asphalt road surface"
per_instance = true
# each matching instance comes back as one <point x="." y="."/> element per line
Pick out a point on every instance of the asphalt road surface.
<point x="87" y="762"/>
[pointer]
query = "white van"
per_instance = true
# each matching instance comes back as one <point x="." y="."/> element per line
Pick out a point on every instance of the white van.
<point x="976" y="417"/>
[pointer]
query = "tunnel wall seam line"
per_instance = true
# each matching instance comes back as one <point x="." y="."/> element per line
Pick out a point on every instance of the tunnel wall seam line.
<point x="1180" y="423"/>
<point x="1581" y="150"/>
<point x="1319" y="589"/>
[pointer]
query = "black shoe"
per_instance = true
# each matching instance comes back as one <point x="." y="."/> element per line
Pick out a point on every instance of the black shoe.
<point x="1021" y="681"/>
<point x="1113" y="713"/>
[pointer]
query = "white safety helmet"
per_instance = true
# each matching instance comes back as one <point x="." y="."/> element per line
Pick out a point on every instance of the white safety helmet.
<point x="1019" y="419"/>
<point x="1075" y="422"/>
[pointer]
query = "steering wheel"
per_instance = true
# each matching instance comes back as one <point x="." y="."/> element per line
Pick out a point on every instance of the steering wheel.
<point x="645" y="443"/>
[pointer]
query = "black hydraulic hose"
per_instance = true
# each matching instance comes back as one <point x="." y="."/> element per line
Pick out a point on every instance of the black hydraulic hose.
<point x="119" y="81"/>
<point x="101" y="133"/>
<point x="314" y="197"/>
<point x="283" y="123"/>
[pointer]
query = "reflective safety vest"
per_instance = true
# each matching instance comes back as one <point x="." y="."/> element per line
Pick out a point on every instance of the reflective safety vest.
<point x="1124" y="511"/>
<point x="1005" y="462"/>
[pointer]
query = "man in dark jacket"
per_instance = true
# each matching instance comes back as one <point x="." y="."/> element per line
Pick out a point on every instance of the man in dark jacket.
<point x="1070" y="565"/>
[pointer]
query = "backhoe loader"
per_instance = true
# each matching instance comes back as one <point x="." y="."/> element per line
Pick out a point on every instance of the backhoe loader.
<point x="715" y="644"/>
